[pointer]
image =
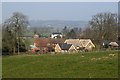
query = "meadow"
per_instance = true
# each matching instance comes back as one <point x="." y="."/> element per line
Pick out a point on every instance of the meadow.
<point x="103" y="64"/>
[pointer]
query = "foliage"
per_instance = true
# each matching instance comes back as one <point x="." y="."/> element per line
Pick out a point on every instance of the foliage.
<point x="65" y="31"/>
<point x="73" y="33"/>
<point x="13" y="29"/>
<point x="28" y="42"/>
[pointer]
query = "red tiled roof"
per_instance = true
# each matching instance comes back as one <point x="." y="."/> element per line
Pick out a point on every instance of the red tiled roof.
<point x="41" y="42"/>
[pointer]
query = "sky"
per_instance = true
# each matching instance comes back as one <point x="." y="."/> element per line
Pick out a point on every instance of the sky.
<point x="58" y="10"/>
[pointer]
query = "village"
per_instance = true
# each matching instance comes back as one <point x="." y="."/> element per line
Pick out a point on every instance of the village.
<point x="59" y="39"/>
<point x="57" y="44"/>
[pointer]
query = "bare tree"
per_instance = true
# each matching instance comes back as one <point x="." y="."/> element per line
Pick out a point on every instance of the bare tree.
<point x="104" y="26"/>
<point x="14" y="27"/>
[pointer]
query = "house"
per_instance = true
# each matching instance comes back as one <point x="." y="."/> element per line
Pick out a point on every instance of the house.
<point x="42" y="44"/>
<point x="87" y="44"/>
<point x="56" y="35"/>
<point x="47" y="44"/>
<point x="81" y="44"/>
<point x="74" y="42"/>
<point x="113" y="45"/>
<point x="64" y="47"/>
<point x="54" y="42"/>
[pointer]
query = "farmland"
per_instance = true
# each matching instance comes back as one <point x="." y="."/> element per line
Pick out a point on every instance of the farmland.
<point x="103" y="64"/>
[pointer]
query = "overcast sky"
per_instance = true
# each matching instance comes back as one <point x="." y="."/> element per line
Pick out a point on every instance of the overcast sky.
<point x="58" y="10"/>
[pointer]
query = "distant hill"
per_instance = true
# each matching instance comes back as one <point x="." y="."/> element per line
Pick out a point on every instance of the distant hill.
<point x="57" y="23"/>
<point x="46" y="27"/>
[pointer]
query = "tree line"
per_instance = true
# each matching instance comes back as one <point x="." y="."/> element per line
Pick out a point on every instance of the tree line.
<point x="102" y="26"/>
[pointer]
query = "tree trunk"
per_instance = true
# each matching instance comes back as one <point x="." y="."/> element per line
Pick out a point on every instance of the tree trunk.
<point x="14" y="49"/>
<point x="18" y="45"/>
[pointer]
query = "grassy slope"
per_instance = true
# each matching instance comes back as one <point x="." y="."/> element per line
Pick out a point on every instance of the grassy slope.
<point x="94" y="65"/>
<point x="0" y="67"/>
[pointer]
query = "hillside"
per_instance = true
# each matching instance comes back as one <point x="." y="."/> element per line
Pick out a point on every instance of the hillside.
<point x="57" y="23"/>
<point x="89" y="65"/>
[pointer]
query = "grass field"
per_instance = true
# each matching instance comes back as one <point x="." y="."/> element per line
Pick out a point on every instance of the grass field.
<point x="89" y="65"/>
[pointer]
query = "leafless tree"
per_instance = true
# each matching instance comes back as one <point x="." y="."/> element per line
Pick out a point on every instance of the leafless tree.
<point x="104" y="27"/>
<point x="13" y="28"/>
